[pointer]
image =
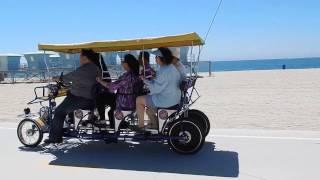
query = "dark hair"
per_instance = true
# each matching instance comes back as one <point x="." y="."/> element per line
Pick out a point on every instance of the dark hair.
<point x="132" y="63"/>
<point x="167" y="56"/>
<point x="145" y="55"/>
<point x="90" y="54"/>
<point x="95" y="59"/>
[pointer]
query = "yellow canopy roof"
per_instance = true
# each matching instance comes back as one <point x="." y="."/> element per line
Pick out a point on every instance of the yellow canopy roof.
<point x="123" y="45"/>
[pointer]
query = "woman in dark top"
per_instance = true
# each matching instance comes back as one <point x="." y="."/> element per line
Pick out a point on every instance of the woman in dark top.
<point x="103" y="96"/>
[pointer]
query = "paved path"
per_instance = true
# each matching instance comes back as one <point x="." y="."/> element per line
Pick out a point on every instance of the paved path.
<point x="227" y="154"/>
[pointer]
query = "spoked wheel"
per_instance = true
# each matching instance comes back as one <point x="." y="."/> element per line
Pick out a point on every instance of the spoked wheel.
<point x="192" y="139"/>
<point x="29" y="133"/>
<point x="199" y="118"/>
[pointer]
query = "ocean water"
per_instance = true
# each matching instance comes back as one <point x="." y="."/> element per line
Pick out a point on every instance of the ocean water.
<point x="268" y="64"/>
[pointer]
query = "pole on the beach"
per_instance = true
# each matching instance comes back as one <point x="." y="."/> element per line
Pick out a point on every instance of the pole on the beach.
<point x="209" y="68"/>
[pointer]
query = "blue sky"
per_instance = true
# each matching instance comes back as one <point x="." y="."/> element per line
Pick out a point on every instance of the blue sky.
<point x="244" y="29"/>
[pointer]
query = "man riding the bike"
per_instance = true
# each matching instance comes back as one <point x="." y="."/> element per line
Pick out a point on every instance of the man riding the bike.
<point x="80" y="95"/>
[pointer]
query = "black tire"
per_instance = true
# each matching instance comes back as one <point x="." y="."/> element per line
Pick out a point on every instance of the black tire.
<point x="198" y="120"/>
<point x="33" y="130"/>
<point x="195" y="139"/>
<point x="201" y="119"/>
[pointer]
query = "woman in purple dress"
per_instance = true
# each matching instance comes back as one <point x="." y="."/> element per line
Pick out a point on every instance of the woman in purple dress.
<point x="128" y="86"/>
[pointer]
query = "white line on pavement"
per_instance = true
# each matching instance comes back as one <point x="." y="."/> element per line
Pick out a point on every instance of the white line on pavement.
<point x="235" y="136"/>
<point x="7" y="128"/>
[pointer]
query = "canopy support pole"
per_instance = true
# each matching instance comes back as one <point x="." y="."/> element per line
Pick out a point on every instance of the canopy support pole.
<point x="103" y="71"/>
<point x="47" y="67"/>
<point x="191" y="58"/>
<point x="144" y="67"/>
<point x="100" y="62"/>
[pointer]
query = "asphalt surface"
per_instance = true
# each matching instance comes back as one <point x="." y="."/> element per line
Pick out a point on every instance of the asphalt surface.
<point x="227" y="154"/>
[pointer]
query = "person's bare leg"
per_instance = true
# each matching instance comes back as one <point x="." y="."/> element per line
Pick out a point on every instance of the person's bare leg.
<point x="140" y="106"/>
<point x="151" y="112"/>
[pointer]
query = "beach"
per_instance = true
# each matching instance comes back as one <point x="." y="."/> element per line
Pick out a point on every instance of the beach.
<point x="269" y="99"/>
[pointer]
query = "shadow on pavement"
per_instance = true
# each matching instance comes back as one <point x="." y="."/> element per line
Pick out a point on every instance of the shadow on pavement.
<point x="151" y="157"/>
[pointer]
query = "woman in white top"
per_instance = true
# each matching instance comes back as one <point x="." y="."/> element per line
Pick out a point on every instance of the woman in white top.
<point x="164" y="88"/>
<point x="177" y="63"/>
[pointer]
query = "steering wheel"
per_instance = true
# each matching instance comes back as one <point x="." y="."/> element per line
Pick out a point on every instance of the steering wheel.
<point x="58" y="86"/>
<point x="60" y="81"/>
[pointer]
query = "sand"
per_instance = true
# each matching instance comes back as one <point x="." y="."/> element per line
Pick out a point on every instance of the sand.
<point x="272" y="99"/>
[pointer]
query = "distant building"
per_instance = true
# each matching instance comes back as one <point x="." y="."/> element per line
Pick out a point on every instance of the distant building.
<point x="123" y="53"/>
<point x="69" y="60"/>
<point x="10" y="62"/>
<point x="55" y="61"/>
<point x="110" y="58"/>
<point x="135" y="53"/>
<point x="38" y="60"/>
